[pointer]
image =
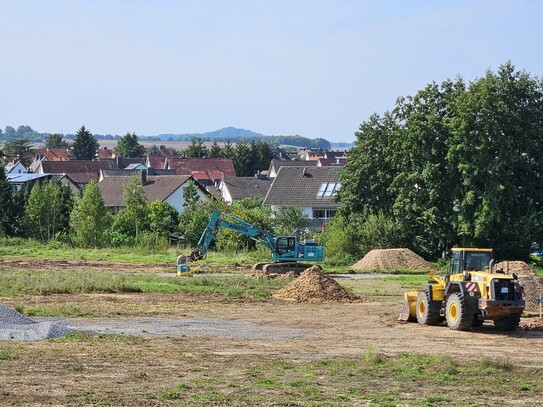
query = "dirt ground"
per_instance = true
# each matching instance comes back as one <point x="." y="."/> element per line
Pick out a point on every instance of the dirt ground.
<point x="169" y="343"/>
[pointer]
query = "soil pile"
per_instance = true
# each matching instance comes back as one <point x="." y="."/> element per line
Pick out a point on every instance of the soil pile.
<point x="528" y="278"/>
<point x="391" y="259"/>
<point x="266" y="275"/>
<point x="314" y="286"/>
<point x="16" y="326"/>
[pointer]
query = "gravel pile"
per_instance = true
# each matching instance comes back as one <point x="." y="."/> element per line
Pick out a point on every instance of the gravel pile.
<point x="18" y="327"/>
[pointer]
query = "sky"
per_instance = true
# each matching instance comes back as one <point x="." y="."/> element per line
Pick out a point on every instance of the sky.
<point x="313" y="68"/>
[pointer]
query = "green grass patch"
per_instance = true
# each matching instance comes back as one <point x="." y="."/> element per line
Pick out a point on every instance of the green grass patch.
<point x="373" y="379"/>
<point x="19" y="283"/>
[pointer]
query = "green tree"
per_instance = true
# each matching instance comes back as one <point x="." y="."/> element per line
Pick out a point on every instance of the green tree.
<point x="89" y="219"/>
<point x="128" y="146"/>
<point x="55" y="141"/>
<point x="495" y="151"/>
<point x="196" y="149"/>
<point x="134" y="218"/>
<point x="190" y="194"/>
<point x="163" y="219"/>
<point x="18" y="150"/>
<point x="48" y="209"/>
<point x="215" y="150"/>
<point x="154" y="150"/>
<point x="242" y="159"/>
<point x="6" y="204"/>
<point x="454" y="164"/>
<point x="290" y="220"/>
<point x="228" y="150"/>
<point x="84" y="146"/>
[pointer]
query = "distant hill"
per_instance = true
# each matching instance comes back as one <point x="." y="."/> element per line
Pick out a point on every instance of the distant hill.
<point x="231" y="134"/>
<point x="234" y="134"/>
<point x="227" y="133"/>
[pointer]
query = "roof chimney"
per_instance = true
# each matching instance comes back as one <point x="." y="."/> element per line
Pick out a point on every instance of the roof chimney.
<point x="143" y="177"/>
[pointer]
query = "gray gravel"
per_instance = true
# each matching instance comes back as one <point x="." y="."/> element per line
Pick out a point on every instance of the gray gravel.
<point x="180" y="327"/>
<point x="18" y="327"/>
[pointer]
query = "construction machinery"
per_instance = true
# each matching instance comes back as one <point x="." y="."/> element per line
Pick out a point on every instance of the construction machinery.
<point x="473" y="291"/>
<point x="286" y="252"/>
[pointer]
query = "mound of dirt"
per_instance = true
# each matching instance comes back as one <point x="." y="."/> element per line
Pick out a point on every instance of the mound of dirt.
<point x="266" y="275"/>
<point x="532" y="282"/>
<point x="314" y="286"/>
<point x="391" y="259"/>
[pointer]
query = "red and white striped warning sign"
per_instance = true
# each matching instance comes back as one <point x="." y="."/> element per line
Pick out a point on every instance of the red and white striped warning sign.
<point x="471" y="286"/>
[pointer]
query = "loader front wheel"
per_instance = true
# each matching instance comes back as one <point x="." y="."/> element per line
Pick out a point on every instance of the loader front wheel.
<point x="427" y="310"/>
<point x="457" y="314"/>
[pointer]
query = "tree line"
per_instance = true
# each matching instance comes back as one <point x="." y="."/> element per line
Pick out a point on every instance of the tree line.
<point x="48" y="211"/>
<point x="456" y="164"/>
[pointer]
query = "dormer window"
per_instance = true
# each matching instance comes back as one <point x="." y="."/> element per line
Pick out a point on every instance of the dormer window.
<point x="328" y="189"/>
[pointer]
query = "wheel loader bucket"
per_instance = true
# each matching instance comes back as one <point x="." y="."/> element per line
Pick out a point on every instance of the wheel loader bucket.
<point x="409" y="311"/>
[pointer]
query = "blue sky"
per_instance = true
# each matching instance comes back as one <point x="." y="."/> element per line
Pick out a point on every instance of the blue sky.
<point x="313" y="68"/>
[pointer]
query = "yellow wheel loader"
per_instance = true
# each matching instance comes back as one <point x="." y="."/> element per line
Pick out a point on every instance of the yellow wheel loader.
<point x="473" y="291"/>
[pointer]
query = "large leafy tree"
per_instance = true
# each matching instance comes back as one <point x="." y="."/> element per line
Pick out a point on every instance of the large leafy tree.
<point x="6" y="204"/>
<point x="455" y="164"/>
<point x="163" y="219"/>
<point x="55" y="141"/>
<point x="84" y="146"/>
<point x="48" y="209"/>
<point x="129" y="146"/>
<point x="133" y="219"/>
<point x="89" y="219"/>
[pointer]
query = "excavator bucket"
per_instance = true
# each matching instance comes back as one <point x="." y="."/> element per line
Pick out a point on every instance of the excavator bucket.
<point x="409" y="311"/>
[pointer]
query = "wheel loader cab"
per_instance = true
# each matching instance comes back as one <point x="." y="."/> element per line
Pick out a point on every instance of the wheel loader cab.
<point x="469" y="260"/>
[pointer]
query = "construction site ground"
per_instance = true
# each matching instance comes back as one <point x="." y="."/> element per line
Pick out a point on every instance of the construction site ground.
<point x="165" y="339"/>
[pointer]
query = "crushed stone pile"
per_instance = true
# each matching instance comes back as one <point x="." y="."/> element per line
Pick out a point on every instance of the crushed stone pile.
<point x="314" y="286"/>
<point x="18" y="327"/>
<point x="528" y="278"/>
<point x="391" y="259"/>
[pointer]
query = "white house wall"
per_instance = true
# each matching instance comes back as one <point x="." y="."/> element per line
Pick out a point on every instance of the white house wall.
<point x="177" y="199"/>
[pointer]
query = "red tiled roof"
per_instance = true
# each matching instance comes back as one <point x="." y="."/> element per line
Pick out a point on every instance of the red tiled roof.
<point x="185" y="166"/>
<point x="80" y="171"/>
<point x="51" y="154"/>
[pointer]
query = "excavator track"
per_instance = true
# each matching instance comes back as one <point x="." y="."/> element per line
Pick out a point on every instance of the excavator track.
<point x="283" y="267"/>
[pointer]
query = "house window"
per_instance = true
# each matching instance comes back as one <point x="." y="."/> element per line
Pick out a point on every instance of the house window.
<point x="328" y="188"/>
<point x="323" y="213"/>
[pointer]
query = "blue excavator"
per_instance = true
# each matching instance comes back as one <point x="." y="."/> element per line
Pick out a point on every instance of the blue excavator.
<point x="287" y="254"/>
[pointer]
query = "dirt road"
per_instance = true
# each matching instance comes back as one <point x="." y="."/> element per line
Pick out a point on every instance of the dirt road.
<point x="297" y="330"/>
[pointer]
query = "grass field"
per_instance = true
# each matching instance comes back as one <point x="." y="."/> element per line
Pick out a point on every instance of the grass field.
<point x="337" y="365"/>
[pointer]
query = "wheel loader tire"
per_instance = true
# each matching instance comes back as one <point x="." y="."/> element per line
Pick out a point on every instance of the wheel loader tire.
<point x="509" y="323"/>
<point x="427" y="310"/>
<point x="459" y="318"/>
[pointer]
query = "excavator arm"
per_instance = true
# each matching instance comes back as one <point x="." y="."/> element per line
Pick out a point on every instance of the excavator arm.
<point x="222" y="220"/>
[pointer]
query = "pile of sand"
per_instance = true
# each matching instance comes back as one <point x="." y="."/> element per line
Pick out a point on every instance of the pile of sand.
<point x="528" y="278"/>
<point x="314" y="286"/>
<point x="391" y="259"/>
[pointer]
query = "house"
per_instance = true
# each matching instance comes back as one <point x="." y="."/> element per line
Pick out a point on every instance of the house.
<point x="164" y="188"/>
<point x="234" y="188"/>
<point x="310" y="188"/>
<point x="186" y="166"/>
<point x="28" y="179"/>
<point x="80" y="171"/>
<point x="331" y="162"/>
<point x="157" y="162"/>
<point x="276" y="164"/>
<point x="15" y="167"/>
